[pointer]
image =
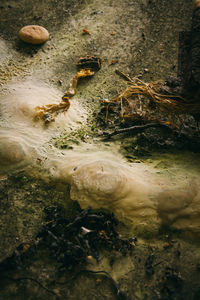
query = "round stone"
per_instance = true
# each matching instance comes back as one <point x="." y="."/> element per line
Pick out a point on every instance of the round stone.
<point x="197" y="3"/>
<point x="33" y="34"/>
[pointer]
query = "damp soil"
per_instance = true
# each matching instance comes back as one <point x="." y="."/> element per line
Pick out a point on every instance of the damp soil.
<point x="55" y="251"/>
<point x="130" y="36"/>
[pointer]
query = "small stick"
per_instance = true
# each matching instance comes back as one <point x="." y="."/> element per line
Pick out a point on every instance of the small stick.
<point x="135" y="128"/>
<point x="123" y="75"/>
<point x="122" y="109"/>
<point x="107" y="108"/>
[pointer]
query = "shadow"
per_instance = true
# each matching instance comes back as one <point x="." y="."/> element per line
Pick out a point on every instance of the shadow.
<point x="28" y="49"/>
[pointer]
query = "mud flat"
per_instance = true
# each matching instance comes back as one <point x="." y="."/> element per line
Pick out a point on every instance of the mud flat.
<point x="151" y="187"/>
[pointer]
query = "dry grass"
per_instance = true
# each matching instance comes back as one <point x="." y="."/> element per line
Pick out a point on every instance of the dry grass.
<point x="145" y="101"/>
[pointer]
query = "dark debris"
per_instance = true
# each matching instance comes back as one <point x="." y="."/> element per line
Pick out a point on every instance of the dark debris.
<point x="70" y="242"/>
<point x="89" y="62"/>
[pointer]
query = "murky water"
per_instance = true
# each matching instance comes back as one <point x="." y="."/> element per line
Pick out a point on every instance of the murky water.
<point x="143" y="194"/>
<point x="22" y="138"/>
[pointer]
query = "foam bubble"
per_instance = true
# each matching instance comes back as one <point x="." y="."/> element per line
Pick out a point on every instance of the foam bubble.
<point x="135" y="194"/>
<point x="18" y="128"/>
<point x="98" y="179"/>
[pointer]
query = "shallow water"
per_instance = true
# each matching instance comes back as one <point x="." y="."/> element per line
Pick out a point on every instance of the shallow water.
<point x="22" y="138"/>
<point x="161" y="191"/>
<point x="146" y="193"/>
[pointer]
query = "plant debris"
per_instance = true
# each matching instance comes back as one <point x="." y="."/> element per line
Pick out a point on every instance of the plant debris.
<point x="47" y="112"/>
<point x="89" y="62"/>
<point x="87" y="66"/>
<point x="145" y="102"/>
<point x="70" y="243"/>
<point x="86" y="31"/>
<point x="167" y="102"/>
<point x="113" y="62"/>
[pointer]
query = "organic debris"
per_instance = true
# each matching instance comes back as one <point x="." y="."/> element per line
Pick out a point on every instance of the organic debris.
<point x="86" y="31"/>
<point x="145" y="102"/>
<point x="87" y="67"/>
<point x="123" y="75"/>
<point x="120" y="294"/>
<point x="46" y="112"/>
<point x="113" y="62"/>
<point x="71" y="243"/>
<point x="172" y="101"/>
<point x="89" y="62"/>
<point x="132" y="129"/>
<point x="71" y="91"/>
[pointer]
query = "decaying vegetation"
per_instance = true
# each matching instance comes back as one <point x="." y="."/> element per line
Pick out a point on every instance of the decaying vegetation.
<point x="72" y="243"/>
<point x="87" y="66"/>
<point x="145" y="102"/>
<point x="168" y="102"/>
<point x="160" y="102"/>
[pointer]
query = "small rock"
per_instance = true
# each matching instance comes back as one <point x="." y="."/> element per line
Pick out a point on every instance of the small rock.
<point x="197" y="3"/>
<point x="33" y="34"/>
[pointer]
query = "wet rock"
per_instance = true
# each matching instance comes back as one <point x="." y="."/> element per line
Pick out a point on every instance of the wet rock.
<point x="33" y="34"/>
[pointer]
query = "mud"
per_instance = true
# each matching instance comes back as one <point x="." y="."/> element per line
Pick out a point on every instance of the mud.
<point x="137" y="35"/>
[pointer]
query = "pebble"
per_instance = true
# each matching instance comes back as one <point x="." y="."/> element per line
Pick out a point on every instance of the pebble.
<point x="197" y="3"/>
<point x="33" y="34"/>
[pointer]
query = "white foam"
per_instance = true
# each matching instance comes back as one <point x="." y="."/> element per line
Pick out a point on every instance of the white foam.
<point x="137" y="194"/>
<point x="18" y="127"/>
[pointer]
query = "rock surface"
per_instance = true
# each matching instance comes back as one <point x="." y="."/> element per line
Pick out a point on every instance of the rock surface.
<point x="33" y="34"/>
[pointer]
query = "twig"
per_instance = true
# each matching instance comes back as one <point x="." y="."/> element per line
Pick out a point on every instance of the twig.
<point x="123" y="75"/>
<point x="134" y="128"/>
